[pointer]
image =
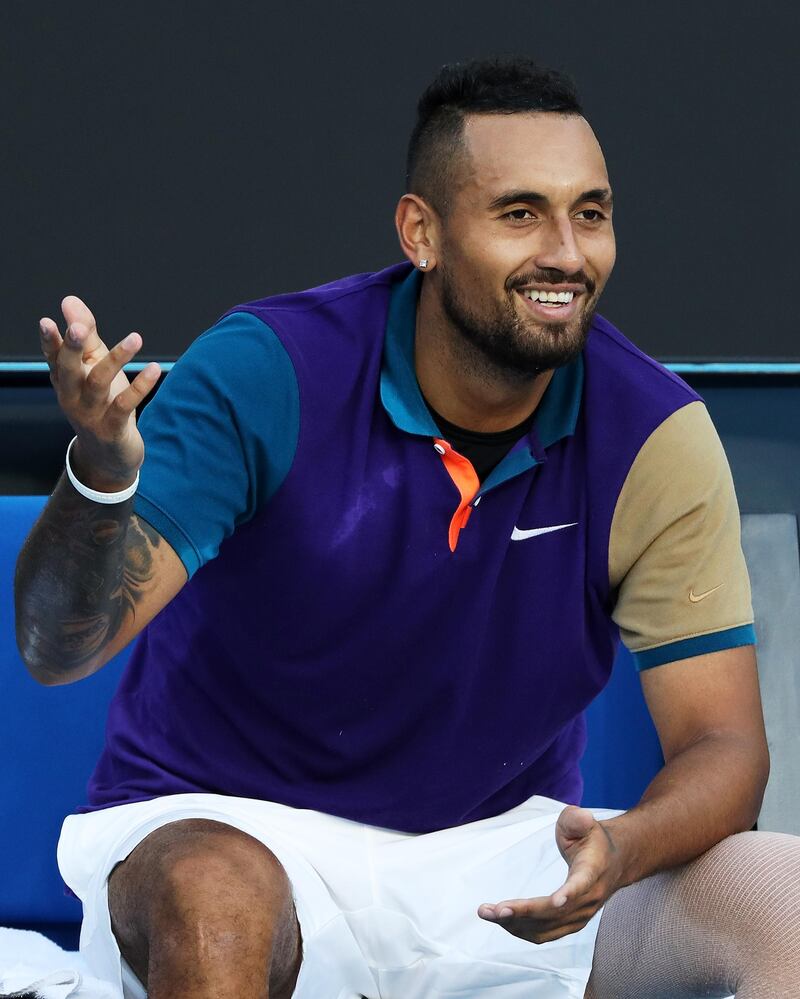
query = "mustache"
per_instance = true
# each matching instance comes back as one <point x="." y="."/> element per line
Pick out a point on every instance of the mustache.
<point x="550" y="275"/>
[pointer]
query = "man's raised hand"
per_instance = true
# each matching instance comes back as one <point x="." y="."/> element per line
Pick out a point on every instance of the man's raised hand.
<point x="96" y="396"/>
<point x="595" y="869"/>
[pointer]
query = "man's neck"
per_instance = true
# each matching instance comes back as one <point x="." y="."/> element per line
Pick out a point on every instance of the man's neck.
<point x="459" y="382"/>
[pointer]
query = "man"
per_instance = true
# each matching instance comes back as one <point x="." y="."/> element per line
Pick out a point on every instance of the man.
<point x="415" y="509"/>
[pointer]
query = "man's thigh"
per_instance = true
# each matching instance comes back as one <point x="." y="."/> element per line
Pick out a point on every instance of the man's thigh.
<point x="93" y="845"/>
<point x="429" y="888"/>
<point x="380" y="912"/>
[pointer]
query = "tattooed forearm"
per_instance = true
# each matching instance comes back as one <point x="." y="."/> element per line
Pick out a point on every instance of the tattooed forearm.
<point x="82" y="571"/>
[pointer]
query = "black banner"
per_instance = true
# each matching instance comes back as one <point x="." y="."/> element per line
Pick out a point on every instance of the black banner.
<point x="167" y="161"/>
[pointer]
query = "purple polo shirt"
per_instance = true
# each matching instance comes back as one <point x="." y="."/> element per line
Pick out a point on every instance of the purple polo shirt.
<point x="340" y="645"/>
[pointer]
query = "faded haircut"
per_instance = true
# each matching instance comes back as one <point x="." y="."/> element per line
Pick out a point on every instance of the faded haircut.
<point x="481" y="86"/>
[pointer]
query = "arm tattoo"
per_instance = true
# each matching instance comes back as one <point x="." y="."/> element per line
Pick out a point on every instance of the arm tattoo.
<point x="83" y="570"/>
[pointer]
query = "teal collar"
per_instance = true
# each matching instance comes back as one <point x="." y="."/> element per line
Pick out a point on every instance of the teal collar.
<point x="556" y="416"/>
<point x="400" y="392"/>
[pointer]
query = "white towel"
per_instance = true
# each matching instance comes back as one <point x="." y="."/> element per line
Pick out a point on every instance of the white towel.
<point x="29" y="962"/>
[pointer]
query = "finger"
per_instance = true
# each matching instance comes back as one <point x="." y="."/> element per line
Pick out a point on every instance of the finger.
<point x="69" y="360"/>
<point x="583" y="876"/>
<point x="49" y="340"/>
<point x="77" y="311"/>
<point x="537" y="908"/>
<point x="546" y="907"/>
<point x="546" y="934"/>
<point x="141" y="386"/>
<point x="559" y="923"/>
<point x="103" y="373"/>
<point x="542" y="930"/>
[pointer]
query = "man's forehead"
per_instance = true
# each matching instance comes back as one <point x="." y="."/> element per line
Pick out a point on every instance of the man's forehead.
<point x="539" y="151"/>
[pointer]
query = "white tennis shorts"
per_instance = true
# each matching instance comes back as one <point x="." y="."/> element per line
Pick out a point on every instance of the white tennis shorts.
<point x="383" y="914"/>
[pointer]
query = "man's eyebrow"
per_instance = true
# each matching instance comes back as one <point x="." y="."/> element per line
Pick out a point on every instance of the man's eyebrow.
<point x="511" y="197"/>
<point x="602" y="195"/>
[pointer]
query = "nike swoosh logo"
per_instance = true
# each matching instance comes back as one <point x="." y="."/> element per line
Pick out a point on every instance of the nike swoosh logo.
<point x="697" y="597"/>
<point x="518" y="535"/>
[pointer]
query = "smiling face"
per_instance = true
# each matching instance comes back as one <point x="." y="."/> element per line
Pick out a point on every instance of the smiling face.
<point x="527" y="243"/>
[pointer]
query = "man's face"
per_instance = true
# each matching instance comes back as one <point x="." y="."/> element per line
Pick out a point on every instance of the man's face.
<point x="529" y="218"/>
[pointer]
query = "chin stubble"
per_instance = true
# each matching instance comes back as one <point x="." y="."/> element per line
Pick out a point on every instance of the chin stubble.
<point x="501" y="346"/>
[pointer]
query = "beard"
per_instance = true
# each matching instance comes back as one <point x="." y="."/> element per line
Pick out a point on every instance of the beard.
<point x="500" y="342"/>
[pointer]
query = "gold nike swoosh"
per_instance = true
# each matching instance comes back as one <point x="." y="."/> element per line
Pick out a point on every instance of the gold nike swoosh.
<point x="697" y="597"/>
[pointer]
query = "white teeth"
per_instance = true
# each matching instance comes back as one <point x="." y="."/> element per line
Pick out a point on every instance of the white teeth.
<point x="562" y="297"/>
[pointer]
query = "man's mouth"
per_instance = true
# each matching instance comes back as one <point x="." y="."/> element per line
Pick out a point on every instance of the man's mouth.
<point x="550" y="305"/>
<point x="549" y="297"/>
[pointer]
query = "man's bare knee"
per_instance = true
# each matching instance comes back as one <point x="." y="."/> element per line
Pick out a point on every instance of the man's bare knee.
<point x="200" y="901"/>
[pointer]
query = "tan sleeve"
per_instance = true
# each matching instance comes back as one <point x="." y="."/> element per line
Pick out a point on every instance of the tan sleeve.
<point x="675" y="553"/>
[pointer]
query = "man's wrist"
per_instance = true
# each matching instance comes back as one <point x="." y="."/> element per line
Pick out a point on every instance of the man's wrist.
<point x="626" y="849"/>
<point x="103" y="477"/>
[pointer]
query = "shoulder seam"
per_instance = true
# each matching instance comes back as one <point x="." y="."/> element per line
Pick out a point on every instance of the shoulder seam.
<point x="249" y="307"/>
<point x="237" y="311"/>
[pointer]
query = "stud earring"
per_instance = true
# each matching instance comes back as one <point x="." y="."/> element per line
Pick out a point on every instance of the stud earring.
<point x="423" y="263"/>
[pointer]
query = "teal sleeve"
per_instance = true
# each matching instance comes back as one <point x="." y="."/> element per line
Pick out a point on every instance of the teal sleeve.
<point x="220" y="437"/>
<point x="700" y="645"/>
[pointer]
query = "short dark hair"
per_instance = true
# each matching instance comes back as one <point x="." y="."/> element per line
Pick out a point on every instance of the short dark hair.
<point x="481" y="86"/>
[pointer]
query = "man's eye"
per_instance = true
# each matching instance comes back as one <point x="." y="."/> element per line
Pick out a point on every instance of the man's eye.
<point x="591" y="215"/>
<point x="518" y="214"/>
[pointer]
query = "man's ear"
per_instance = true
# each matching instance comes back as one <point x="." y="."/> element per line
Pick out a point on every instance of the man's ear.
<point x="418" y="231"/>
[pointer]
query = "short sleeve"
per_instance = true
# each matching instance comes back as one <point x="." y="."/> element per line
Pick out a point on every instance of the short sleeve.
<point x="675" y="555"/>
<point x="220" y="436"/>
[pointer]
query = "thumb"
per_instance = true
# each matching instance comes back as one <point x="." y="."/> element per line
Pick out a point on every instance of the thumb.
<point x="573" y="824"/>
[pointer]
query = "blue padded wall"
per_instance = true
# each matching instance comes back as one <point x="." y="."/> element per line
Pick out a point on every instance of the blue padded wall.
<point x="49" y="740"/>
<point x="623" y="752"/>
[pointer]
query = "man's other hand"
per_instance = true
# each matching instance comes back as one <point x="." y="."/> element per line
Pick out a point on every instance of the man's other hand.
<point x="595" y="869"/>
<point x="96" y="397"/>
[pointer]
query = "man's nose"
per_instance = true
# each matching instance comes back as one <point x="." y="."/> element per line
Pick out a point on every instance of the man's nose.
<point x="559" y="249"/>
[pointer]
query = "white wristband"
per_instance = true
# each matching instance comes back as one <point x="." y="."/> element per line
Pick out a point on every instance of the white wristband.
<point x="93" y="494"/>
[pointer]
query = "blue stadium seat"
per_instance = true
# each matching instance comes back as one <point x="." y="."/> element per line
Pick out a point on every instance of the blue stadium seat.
<point x="623" y="753"/>
<point x="50" y="738"/>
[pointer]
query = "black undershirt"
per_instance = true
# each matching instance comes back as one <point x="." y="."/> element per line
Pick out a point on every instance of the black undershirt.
<point x="482" y="449"/>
